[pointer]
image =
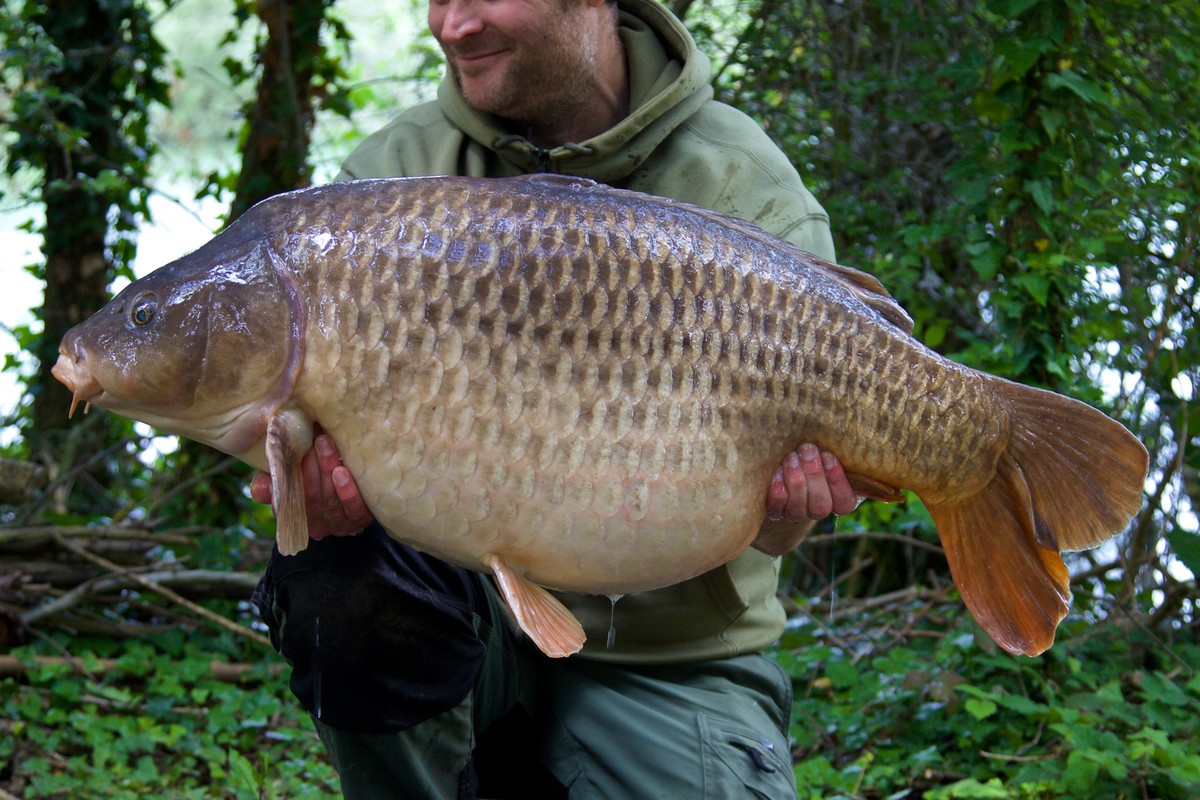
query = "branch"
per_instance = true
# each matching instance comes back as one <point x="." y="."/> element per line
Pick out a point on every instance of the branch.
<point x="20" y="481"/>
<point x="12" y="667"/>
<point x="179" y="537"/>
<point x="147" y="583"/>
<point x="899" y="538"/>
<point x="194" y="579"/>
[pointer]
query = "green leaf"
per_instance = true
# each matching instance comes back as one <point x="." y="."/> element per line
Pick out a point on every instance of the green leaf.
<point x="971" y="789"/>
<point x="842" y="674"/>
<point x="241" y="771"/>
<point x="1084" y="88"/>
<point x="1013" y="8"/>
<point x="1053" y="120"/>
<point x="1037" y="285"/>
<point x="1042" y="194"/>
<point x="1021" y="704"/>
<point x="1081" y="771"/>
<point x="1186" y="547"/>
<point x="980" y="708"/>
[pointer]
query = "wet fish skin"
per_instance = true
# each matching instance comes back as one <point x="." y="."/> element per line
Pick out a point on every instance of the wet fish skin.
<point x="588" y="390"/>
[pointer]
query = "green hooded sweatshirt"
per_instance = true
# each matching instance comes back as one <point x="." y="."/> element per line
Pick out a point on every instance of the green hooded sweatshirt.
<point x="677" y="142"/>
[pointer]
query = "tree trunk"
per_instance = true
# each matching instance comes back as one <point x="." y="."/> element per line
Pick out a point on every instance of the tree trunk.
<point x="279" y="123"/>
<point x="78" y="268"/>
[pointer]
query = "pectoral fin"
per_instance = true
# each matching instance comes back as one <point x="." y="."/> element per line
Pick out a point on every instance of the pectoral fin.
<point x="552" y="627"/>
<point x="872" y="489"/>
<point x="289" y="437"/>
<point x="779" y="536"/>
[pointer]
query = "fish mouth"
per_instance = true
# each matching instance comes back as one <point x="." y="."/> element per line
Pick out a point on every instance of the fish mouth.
<point x="74" y="374"/>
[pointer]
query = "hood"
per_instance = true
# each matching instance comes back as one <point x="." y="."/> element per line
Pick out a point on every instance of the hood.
<point x="668" y="84"/>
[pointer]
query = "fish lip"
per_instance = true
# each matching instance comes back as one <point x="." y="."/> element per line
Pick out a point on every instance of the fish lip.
<point x="74" y="374"/>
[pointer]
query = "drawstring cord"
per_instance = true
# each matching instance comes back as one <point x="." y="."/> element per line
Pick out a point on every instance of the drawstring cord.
<point x="542" y="154"/>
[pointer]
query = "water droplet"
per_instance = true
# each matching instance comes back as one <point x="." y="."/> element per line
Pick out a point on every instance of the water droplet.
<point x="612" y="620"/>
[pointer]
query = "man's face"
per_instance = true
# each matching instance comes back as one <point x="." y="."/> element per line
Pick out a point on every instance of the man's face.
<point x="517" y="59"/>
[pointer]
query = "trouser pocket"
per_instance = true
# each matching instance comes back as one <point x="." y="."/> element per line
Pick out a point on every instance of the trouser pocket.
<point x="742" y="762"/>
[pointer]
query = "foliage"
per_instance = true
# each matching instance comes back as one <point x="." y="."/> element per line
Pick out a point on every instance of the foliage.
<point x="941" y="714"/>
<point x="157" y="724"/>
<point x="295" y="70"/>
<point x="82" y="77"/>
<point x="1023" y="175"/>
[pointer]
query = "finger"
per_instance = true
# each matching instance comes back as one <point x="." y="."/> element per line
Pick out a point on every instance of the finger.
<point x="815" y="500"/>
<point x="328" y="456"/>
<point x="310" y="470"/>
<point x="842" y="496"/>
<point x="777" y="495"/>
<point x="326" y="460"/>
<point x="260" y="487"/>
<point x="353" y="506"/>
<point x="795" y="487"/>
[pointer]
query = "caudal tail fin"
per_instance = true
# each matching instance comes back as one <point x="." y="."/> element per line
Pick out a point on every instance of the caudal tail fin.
<point x="1070" y="478"/>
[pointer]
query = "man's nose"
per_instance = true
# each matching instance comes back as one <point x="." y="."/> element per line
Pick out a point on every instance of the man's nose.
<point x="459" y="20"/>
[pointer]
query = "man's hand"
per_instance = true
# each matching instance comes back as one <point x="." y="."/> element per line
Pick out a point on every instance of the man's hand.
<point x="331" y="497"/>
<point x="810" y="485"/>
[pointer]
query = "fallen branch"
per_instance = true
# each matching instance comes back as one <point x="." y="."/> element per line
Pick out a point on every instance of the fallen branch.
<point x="171" y="595"/>
<point x="239" y="582"/>
<point x="877" y="536"/>
<point x="38" y="534"/>
<point x="1019" y="759"/>
<point x="12" y="667"/>
<point x="851" y="608"/>
<point x="20" y="481"/>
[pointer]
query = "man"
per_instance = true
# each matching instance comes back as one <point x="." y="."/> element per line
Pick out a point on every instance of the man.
<point x="414" y="678"/>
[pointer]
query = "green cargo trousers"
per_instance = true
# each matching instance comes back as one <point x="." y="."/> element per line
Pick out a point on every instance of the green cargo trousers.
<point x="522" y="725"/>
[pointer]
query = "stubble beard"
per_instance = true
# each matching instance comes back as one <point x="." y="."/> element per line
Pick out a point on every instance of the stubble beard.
<point x="541" y="85"/>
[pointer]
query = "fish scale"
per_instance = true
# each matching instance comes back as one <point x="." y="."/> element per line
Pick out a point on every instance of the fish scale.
<point x="577" y="388"/>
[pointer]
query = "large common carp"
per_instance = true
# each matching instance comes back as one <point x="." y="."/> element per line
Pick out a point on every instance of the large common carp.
<point x="578" y="388"/>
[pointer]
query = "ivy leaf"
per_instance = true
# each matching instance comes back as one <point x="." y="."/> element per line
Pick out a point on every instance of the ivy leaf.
<point x="980" y="708"/>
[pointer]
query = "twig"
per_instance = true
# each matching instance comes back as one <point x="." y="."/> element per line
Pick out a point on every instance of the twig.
<point x="125" y="578"/>
<point x="195" y="608"/>
<point x="850" y="608"/>
<point x="12" y="667"/>
<point x="1007" y="757"/>
<point x="175" y="537"/>
<point x="879" y="536"/>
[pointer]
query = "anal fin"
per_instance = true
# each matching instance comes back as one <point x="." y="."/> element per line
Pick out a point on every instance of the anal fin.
<point x="544" y="619"/>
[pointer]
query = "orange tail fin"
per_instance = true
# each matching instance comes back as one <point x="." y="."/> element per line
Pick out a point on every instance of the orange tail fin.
<point x="1070" y="479"/>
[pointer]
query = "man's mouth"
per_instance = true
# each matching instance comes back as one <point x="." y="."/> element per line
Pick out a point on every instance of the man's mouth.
<point x="475" y="58"/>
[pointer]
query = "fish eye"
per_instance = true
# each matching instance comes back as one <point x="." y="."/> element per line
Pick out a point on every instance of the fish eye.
<point x="142" y="313"/>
